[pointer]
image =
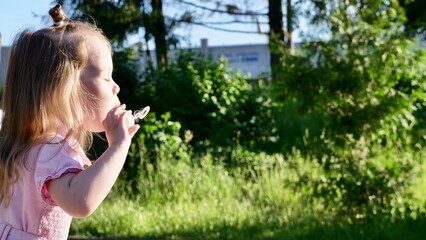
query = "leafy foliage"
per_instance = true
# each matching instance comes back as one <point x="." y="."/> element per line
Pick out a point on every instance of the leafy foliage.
<point x="125" y="74"/>
<point x="215" y="104"/>
<point x="366" y="179"/>
<point x="364" y="84"/>
<point x="117" y="19"/>
<point x="348" y="103"/>
<point x="157" y="142"/>
<point x="415" y="11"/>
<point x="367" y="80"/>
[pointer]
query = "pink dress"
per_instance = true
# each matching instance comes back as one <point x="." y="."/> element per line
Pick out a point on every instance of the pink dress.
<point x="31" y="208"/>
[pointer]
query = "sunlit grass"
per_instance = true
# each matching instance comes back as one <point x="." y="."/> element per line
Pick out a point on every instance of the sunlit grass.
<point x="208" y="202"/>
<point x="419" y="188"/>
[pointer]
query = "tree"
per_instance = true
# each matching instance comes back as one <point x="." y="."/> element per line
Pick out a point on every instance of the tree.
<point x="277" y="35"/>
<point x="363" y="84"/>
<point x="158" y="30"/>
<point x="119" y="19"/>
<point x="415" y="11"/>
<point x="290" y="24"/>
<point x="276" y="32"/>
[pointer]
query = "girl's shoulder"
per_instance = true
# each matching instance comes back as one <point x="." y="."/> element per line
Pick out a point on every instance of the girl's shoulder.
<point x="59" y="149"/>
<point x="56" y="157"/>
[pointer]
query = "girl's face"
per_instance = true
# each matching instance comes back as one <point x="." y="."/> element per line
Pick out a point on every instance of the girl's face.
<point x="97" y="78"/>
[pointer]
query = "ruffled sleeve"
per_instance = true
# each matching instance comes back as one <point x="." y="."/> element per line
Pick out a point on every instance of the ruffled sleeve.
<point x="57" y="159"/>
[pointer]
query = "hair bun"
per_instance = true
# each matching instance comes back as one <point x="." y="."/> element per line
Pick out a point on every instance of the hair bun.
<point x="57" y="14"/>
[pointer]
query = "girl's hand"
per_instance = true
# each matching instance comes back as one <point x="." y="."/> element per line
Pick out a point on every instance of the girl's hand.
<point x="117" y="127"/>
<point x="81" y="194"/>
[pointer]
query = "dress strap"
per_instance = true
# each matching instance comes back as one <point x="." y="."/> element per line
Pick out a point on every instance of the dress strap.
<point x="7" y="232"/>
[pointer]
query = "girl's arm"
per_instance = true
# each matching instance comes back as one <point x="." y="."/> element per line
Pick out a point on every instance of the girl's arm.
<point x="80" y="194"/>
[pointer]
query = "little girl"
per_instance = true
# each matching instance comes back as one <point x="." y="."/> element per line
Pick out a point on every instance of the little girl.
<point x="58" y="91"/>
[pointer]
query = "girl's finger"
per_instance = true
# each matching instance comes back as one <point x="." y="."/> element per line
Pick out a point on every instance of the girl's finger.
<point x="133" y="129"/>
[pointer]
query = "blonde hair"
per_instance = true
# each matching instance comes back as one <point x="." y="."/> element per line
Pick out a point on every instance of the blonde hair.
<point x="43" y="92"/>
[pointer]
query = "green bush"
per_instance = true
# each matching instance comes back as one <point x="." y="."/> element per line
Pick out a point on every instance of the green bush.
<point x="365" y="179"/>
<point x="215" y="104"/>
<point x="156" y="144"/>
<point x="366" y="81"/>
<point x="125" y="74"/>
<point x="363" y="86"/>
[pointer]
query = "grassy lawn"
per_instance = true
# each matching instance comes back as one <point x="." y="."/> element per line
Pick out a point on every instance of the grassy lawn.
<point x="211" y="219"/>
<point x="184" y="201"/>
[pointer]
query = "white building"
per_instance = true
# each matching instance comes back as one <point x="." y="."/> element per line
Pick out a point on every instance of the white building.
<point x="253" y="59"/>
<point x="250" y="59"/>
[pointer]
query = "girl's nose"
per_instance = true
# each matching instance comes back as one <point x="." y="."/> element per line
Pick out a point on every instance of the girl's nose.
<point x="115" y="89"/>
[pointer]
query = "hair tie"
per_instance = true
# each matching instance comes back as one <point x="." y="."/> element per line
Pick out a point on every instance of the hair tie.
<point x="58" y="15"/>
<point x="57" y="24"/>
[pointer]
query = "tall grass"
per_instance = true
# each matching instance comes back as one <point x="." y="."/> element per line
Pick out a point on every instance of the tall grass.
<point x="203" y="199"/>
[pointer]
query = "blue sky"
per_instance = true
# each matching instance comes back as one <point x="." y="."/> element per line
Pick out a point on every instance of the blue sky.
<point x="17" y="15"/>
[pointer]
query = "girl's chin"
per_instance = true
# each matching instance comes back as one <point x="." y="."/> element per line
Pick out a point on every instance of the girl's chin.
<point x="95" y="129"/>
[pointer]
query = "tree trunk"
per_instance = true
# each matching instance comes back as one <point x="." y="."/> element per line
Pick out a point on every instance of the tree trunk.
<point x="289" y="33"/>
<point x="159" y="32"/>
<point x="276" y="33"/>
<point x="145" y="21"/>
